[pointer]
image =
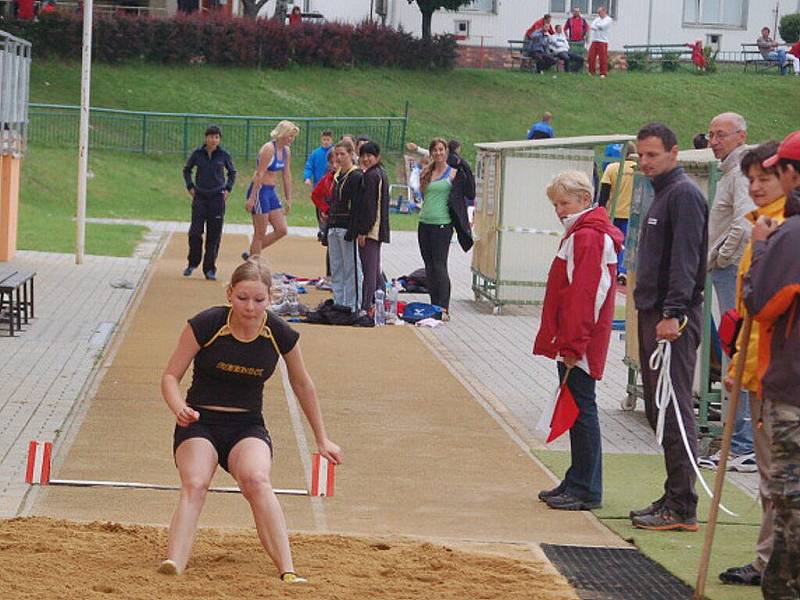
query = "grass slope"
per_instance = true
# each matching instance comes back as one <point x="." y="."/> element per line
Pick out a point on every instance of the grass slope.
<point x="472" y="105"/>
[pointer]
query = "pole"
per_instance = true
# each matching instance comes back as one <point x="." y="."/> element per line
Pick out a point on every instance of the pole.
<point x="705" y="557"/>
<point x="649" y="21"/>
<point x="83" y="143"/>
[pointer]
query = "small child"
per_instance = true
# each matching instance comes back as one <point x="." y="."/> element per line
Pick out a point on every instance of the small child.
<point x="698" y="58"/>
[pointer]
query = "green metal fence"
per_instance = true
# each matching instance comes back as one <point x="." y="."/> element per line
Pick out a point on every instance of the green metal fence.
<point x="173" y="133"/>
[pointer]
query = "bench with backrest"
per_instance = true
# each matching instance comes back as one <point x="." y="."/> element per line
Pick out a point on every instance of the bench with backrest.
<point x="752" y="57"/>
<point x="16" y="298"/>
<point x="516" y="50"/>
<point x="656" y="54"/>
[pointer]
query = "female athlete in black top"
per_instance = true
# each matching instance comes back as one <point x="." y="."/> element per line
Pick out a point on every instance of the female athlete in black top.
<point x="235" y="350"/>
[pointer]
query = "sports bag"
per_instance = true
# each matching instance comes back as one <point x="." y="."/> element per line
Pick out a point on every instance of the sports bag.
<point x="416" y="311"/>
<point x="729" y="326"/>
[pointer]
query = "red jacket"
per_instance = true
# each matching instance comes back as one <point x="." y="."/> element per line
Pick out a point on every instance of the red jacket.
<point x="581" y="286"/>
<point x="539" y="25"/>
<point x="576" y="29"/>
<point x="321" y="194"/>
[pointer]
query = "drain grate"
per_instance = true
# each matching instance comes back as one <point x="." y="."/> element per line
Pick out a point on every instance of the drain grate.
<point x="615" y="574"/>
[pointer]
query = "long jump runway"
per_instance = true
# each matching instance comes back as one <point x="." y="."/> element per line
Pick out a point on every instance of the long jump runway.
<point x="422" y="460"/>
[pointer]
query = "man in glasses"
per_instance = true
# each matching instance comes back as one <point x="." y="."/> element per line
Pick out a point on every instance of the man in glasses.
<point x="728" y="234"/>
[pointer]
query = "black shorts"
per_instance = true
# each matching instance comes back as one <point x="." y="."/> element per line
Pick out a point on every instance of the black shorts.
<point x="224" y="430"/>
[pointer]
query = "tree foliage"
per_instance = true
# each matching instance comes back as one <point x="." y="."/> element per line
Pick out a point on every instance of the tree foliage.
<point x="428" y="7"/>
<point x="790" y="28"/>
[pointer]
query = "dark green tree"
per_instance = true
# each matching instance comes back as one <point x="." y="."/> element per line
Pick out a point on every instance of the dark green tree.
<point x="428" y="7"/>
<point x="790" y="28"/>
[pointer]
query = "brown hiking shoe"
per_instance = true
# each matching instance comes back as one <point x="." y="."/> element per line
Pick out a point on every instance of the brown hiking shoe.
<point x="655" y="506"/>
<point x="665" y="520"/>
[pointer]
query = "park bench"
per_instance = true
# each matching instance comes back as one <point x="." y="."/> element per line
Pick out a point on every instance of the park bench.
<point x="16" y="298"/>
<point x="518" y="56"/>
<point x="642" y="57"/>
<point x="751" y="56"/>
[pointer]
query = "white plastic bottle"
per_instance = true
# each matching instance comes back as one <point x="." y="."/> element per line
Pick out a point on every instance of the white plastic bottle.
<point x="380" y="308"/>
<point x="394" y="290"/>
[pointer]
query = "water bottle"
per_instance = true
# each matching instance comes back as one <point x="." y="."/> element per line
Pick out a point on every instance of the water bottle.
<point x="394" y="290"/>
<point x="291" y="299"/>
<point x="380" y="308"/>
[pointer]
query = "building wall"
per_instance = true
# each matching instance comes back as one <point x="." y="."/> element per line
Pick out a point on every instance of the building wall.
<point x="513" y="17"/>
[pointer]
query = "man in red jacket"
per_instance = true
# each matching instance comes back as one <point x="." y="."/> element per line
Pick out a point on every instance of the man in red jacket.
<point x="544" y="23"/>
<point x="576" y="27"/>
<point x="576" y="328"/>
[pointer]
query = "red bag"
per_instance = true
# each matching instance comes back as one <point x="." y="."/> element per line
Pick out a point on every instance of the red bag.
<point x="729" y="326"/>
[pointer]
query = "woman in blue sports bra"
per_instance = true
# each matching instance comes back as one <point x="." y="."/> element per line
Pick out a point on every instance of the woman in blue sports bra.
<point x="262" y="200"/>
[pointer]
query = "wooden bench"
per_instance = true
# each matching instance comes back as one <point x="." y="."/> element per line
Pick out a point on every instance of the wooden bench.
<point x="16" y="298"/>
<point x="518" y="56"/>
<point x="650" y="55"/>
<point x="751" y="56"/>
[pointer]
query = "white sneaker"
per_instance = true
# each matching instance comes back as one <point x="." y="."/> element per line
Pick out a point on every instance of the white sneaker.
<point x="168" y="567"/>
<point x="744" y="463"/>
<point x="293" y="578"/>
<point x="709" y="462"/>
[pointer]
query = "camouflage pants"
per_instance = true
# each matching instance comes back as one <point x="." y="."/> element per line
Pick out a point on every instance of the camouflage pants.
<point x="781" y="580"/>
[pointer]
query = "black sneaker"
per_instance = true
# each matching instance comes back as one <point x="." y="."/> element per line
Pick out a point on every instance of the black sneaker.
<point x="654" y="506"/>
<point x="746" y="575"/>
<point x="666" y="520"/>
<point x="188" y="271"/>
<point x="568" y="502"/>
<point x="211" y="275"/>
<point x="556" y="491"/>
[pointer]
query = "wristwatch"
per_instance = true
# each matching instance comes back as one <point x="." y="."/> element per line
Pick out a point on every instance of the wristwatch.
<point x="672" y="314"/>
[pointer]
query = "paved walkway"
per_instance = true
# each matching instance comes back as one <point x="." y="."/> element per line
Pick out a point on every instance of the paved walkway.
<point x="48" y="368"/>
<point x="52" y="363"/>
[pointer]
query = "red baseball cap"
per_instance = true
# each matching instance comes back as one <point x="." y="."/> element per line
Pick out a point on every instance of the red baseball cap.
<point x="789" y="148"/>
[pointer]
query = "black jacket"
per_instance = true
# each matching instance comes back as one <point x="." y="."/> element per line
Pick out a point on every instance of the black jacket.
<point x="210" y="177"/>
<point x="374" y="191"/>
<point x="671" y="274"/>
<point x="344" y="195"/>
<point x="463" y="190"/>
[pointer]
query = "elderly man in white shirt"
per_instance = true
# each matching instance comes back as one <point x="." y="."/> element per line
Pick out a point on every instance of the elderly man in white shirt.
<point x="598" y="50"/>
<point x="559" y="46"/>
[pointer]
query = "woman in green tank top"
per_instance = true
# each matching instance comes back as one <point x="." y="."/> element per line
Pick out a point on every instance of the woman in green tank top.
<point x="435" y="227"/>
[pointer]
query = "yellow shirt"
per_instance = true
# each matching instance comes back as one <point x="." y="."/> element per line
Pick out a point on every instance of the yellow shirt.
<point x="750" y="376"/>
<point x="623" y="206"/>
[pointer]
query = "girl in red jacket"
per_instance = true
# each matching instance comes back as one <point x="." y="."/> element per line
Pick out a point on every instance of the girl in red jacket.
<point x="698" y="58"/>
<point x="576" y="328"/>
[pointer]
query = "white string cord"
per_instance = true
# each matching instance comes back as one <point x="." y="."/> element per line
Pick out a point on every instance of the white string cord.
<point x="660" y="361"/>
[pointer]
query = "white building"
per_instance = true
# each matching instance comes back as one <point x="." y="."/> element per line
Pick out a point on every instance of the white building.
<point x="724" y="24"/>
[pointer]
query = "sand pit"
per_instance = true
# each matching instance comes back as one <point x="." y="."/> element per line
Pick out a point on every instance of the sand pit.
<point x="48" y="558"/>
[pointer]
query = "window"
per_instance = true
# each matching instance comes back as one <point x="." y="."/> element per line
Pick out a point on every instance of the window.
<point x="726" y="13"/>
<point x="488" y="6"/>
<point x="588" y="7"/>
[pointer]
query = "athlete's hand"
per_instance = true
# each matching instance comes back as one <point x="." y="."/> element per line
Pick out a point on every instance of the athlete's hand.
<point x="763" y="228"/>
<point x="668" y="329"/>
<point x="362" y="241"/>
<point x="225" y="195"/>
<point x="248" y="206"/>
<point x="330" y="451"/>
<point x="287" y="207"/>
<point x="186" y="416"/>
<point x="307" y="182"/>
<point x="191" y="193"/>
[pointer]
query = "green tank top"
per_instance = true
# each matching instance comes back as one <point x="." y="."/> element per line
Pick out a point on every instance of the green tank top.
<point x="434" y="209"/>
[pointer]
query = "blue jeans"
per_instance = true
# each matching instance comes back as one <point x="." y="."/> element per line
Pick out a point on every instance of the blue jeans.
<point x="779" y="56"/>
<point x="584" y="478"/>
<point x="346" y="278"/>
<point x="622" y="225"/>
<point x="725" y="287"/>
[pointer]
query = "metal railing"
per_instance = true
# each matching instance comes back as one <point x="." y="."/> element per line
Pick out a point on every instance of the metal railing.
<point x="15" y="68"/>
<point x="175" y="133"/>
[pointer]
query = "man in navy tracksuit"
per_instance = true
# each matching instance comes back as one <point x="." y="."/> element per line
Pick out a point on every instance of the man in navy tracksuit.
<point x="209" y="192"/>
<point x="671" y="278"/>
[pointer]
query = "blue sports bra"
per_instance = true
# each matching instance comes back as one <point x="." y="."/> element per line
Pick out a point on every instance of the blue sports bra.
<point x="277" y="165"/>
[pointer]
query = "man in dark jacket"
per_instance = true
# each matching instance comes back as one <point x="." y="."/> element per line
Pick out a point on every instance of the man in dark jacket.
<point x="772" y="295"/>
<point x="669" y="297"/>
<point x="209" y="192"/>
<point x="371" y="220"/>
